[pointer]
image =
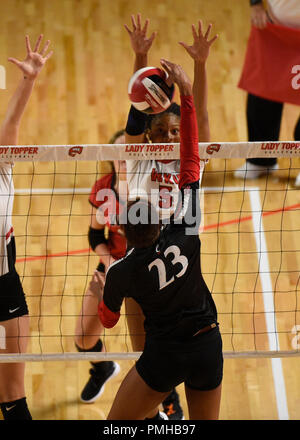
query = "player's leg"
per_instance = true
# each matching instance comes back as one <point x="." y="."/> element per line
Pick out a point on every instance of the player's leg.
<point x="203" y="405"/>
<point x="14" y="339"/>
<point x="135" y="321"/>
<point x="263" y="122"/>
<point x="297" y="138"/>
<point x="88" y="325"/>
<point x="204" y="376"/>
<point x="87" y="332"/>
<point x="134" y="390"/>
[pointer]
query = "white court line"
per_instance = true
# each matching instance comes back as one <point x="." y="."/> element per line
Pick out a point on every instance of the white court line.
<point x="264" y="273"/>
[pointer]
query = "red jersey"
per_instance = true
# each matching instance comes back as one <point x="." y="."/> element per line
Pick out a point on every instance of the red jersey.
<point x="105" y="199"/>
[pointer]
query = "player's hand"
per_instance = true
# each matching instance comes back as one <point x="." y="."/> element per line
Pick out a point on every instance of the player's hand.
<point x="35" y="59"/>
<point x="138" y="35"/>
<point x="96" y="285"/>
<point x="177" y="75"/>
<point x="259" y="17"/>
<point x="199" y="50"/>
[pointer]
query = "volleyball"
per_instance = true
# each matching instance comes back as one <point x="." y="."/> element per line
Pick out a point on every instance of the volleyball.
<point x="148" y="91"/>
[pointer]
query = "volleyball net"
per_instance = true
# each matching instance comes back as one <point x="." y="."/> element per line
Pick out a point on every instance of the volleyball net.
<point x="249" y="233"/>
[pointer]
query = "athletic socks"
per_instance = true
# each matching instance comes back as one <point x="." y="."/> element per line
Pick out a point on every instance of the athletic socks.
<point x="16" y="410"/>
<point x="100" y="366"/>
<point x="97" y="347"/>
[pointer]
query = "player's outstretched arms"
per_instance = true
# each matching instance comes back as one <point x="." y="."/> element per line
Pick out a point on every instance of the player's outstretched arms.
<point x="199" y="51"/>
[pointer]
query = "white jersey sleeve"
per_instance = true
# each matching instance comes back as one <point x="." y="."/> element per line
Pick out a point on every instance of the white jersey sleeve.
<point x="6" y="207"/>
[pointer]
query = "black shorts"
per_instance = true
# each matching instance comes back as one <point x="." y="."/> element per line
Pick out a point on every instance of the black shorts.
<point x="12" y="297"/>
<point x="199" y="363"/>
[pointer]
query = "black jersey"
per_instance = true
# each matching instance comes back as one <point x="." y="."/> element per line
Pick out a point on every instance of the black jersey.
<point x="165" y="279"/>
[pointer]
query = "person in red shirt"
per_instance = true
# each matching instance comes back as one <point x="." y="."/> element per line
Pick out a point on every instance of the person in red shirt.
<point x="162" y="273"/>
<point x="264" y="115"/>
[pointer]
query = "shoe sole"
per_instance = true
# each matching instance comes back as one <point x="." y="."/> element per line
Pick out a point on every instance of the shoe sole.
<point x="116" y="371"/>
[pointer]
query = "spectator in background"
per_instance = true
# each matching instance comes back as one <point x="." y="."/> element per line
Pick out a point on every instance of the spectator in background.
<point x="280" y="18"/>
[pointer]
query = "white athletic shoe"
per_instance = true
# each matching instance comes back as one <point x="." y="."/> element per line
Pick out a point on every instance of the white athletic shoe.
<point x="297" y="181"/>
<point x="163" y="416"/>
<point x="252" y="171"/>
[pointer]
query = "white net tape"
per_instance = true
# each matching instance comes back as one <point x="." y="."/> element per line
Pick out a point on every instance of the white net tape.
<point x="103" y="152"/>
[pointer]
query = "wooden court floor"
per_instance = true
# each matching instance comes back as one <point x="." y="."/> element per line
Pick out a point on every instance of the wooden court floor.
<point x="81" y="98"/>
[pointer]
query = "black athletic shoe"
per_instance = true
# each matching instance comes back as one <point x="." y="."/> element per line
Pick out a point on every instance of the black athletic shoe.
<point x="100" y="374"/>
<point x="172" y="408"/>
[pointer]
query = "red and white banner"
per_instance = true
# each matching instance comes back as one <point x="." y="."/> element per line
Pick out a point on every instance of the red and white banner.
<point x="224" y="150"/>
<point x="272" y="64"/>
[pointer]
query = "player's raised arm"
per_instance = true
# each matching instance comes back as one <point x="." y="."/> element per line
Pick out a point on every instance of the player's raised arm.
<point x="199" y="51"/>
<point x="30" y="67"/>
<point x="140" y="42"/>
<point x="141" y="45"/>
<point x="189" y="150"/>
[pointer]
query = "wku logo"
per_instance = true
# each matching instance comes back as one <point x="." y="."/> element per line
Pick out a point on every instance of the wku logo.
<point x="167" y="178"/>
<point x="75" y="150"/>
<point x="213" y="148"/>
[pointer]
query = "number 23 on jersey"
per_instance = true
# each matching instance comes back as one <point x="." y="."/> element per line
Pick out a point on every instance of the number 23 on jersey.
<point x="161" y="268"/>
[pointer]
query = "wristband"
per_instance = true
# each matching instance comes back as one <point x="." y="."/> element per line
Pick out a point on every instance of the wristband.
<point x="96" y="236"/>
<point x="136" y="123"/>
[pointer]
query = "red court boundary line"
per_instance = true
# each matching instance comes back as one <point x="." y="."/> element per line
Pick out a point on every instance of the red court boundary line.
<point x="249" y="217"/>
<point x="205" y="228"/>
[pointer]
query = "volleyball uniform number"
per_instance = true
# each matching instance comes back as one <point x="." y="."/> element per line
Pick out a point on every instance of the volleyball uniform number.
<point x="161" y="268"/>
<point x="165" y="197"/>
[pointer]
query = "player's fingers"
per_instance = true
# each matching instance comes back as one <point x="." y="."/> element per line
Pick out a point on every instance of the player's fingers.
<point x="38" y="42"/>
<point x="200" y="28"/>
<point x="183" y="44"/>
<point x="15" y="61"/>
<point x="152" y="36"/>
<point x="194" y="32"/>
<point x="208" y="31"/>
<point x="48" y="55"/>
<point x="28" y="44"/>
<point x="133" y="22"/>
<point x="139" y="21"/>
<point x="127" y="29"/>
<point x="145" y="27"/>
<point x="45" y="48"/>
<point x="210" y="42"/>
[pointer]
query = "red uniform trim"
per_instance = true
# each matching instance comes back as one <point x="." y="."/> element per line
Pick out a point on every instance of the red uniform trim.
<point x="189" y="149"/>
<point x="9" y="233"/>
<point x="108" y="318"/>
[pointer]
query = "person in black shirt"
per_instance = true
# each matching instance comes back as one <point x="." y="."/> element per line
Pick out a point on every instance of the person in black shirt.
<point x="162" y="273"/>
